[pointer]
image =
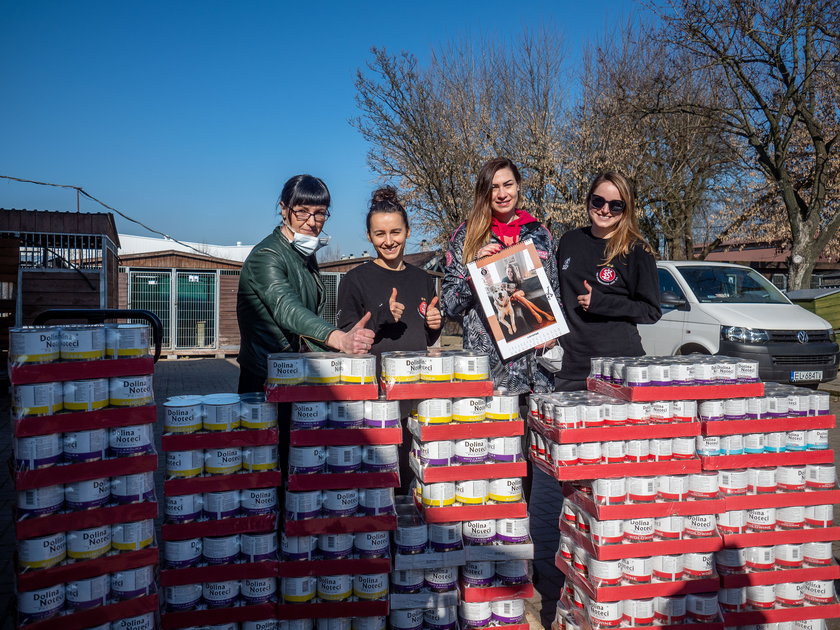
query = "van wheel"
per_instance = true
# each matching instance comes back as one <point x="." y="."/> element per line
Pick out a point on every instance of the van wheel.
<point x="692" y="348"/>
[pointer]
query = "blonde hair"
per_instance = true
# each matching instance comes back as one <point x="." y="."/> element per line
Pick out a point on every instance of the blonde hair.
<point x="627" y="234"/>
<point x="481" y="214"/>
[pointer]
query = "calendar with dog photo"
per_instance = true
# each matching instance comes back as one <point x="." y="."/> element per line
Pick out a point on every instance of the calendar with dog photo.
<point x="516" y="297"/>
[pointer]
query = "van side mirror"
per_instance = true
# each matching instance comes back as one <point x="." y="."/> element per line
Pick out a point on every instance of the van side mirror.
<point x="669" y="298"/>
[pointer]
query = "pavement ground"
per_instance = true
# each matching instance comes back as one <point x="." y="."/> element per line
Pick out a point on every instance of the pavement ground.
<point x="206" y="376"/>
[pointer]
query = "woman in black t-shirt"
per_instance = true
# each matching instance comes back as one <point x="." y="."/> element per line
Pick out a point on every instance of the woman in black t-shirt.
<point x="401" y="298"/>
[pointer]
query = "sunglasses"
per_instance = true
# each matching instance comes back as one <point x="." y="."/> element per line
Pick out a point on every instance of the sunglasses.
<point x="616" y="207"/>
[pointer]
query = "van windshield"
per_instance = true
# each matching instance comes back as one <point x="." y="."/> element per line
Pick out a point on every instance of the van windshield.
<point x="731" y="285"/>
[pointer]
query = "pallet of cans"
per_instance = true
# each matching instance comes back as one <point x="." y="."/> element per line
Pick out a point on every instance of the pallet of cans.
<point x="220" y="515"/>
<point x="582" y="435"/>
<point x="681" y="612"/>
<point x="320" y="376"/>
<point x="776" y="564"/>
<point x="661" y="378"/>
<point x="84" y="461"/>
<point x="435" y="374"/>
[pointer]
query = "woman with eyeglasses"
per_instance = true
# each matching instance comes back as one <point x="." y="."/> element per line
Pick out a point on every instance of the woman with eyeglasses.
<point x="608" y="282"/>
<point x="281" y="296"/>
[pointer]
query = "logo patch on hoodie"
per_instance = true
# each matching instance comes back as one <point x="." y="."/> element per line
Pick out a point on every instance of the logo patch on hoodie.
<point x="607" y="275"/>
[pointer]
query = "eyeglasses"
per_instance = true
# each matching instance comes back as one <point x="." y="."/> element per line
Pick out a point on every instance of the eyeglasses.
<point x="303" y="215"/>
<point x="616" y="207"/>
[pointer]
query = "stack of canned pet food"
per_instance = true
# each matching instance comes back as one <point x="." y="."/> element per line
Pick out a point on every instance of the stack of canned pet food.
<point x="434" y="366"/>
<point x="692" y="369"/>
<point x="220" y="515"/>
<point x="463" y="546"/>
<point x="85" y="496"/>
<point x="320" y="368"/>
<point x="339" y="505"/>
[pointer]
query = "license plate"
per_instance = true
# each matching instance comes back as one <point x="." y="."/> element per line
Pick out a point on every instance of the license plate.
<point x="803" y="376"/>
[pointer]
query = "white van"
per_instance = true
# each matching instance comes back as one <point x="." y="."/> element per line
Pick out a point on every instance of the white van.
<point x="719" y="308"/>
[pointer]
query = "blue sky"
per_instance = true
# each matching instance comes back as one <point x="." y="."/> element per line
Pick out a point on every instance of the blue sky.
<point x="189" y="116"/>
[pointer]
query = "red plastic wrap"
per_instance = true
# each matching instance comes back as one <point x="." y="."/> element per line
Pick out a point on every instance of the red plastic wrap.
<point x="757" y="460"/>
<point x="54" y="523"/>
<point x="345" y="437"/>
<point x="347" y="566"/>
<point x="218" y="573"/>
<point x="218" y="483"/>
<point x="642" y="510"/>
<point x="216" y="616"/>
<point x="604" y="434"/>
<point x="219" y="439"/>
<point x="85" y="420"/>
<point x="98" y="616"/>
<point x="432" y="474"/>
<point x="466" y="430"/>
<point x="83" y="569"/>
<point x="782" y="537"/>
<point x="338" y="481"/>
<point x="824" y="611"/>
<point x="78" y="370"/>
<point x="738" y="427"/>
<point x="315" y="393"/>
<point x="453" y="513"/>
<point x="781" y="499"/>
<point x="222" y="527"/>
<point x="780" y="576"/>
<point x="472" y="594"/>
<point x="29" y="479"/>
<point x="676" y="392"/>
<point x="453" y="389"/>
<point x="580" y="472"/>
<point x="340" y="525"/>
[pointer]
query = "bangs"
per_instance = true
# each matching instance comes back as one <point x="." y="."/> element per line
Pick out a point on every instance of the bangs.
<point x="305" y="190"/>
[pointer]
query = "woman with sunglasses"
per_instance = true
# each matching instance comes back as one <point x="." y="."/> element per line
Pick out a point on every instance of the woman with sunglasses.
<point x="281" y="296"/>
<point x="608" y="282"/>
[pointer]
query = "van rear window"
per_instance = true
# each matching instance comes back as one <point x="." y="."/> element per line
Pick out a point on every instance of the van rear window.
<point x="730" y="285"/>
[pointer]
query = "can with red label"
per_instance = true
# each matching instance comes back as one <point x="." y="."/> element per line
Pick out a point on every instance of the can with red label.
<point x="788" y="555"/>
<point x="605" y="614"/>
<point x="610" y="491"/>
<point x="791" y="517"/>
<point x="790" y="594"/>
<point x="732" y="599"/>
<point x="607" y="532"/>
<point x="638" y="529"/>
<point x="790" y="478"/>
<point x="761" y="519"/>
<point x="603" y="572"/>
<point x="703" y="485"/>
<point x="700" y="525"/>
<point x="638" y="450"/>
<point x="702" y="607"/>
<point x="668" y="527"/>
<point x="698" y="564"/>
<point x="661" y="449"/>
<point x="731" y="560"/>
<point x="732" y="522"/>
<point x="819" y="591"/>
<point x="641" y="489"/>
<point x="760" y="558"/>
<point x="672" y="487"/>
<point x="733" y="482"/>
<point x="817" y="553"/>
<point x="637" y="612"/>
<point x="817" y="476"/>
<point x="669" y="610"/>
<point x="761" y="596"/>
<point x="637" y="570"/>
<point x="819" y="515"/>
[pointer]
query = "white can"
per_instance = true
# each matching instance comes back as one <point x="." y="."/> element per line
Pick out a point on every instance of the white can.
<point x="322" y="368"/>
<point x="441" y="580"/>
<point x="371" y="544"/>
<point x="637" y="570"/>
<point x="761" y="480"/>
<point x="343" y="459"/>
<point x="380" y="457"/>
<point x="475" y="614"/>
<point x="298" y="547"/>
<point x="92" y="542"/>
<point x="34" y="344"/>
<point x="184" y="464"/>
<point x="613" y="452"/>
<point x="731" y="560"/>
<point x="638" y="450"/>
<point x="732" y="599"/>
<point x="133" y="536"/>
<point x="183" y="508"/>
<point x="131" y="583"/>
<point x="789" y="555"/>
<point x="374" y="501"/>
<point x="42" y="552"/>
<point x="669" y="527"/>
<point x="761" y="596"/>
<point x="669" y="610"/>
<point x="39" y="451"/>
<point x="37" y="399"/>
<point x="304" y="460"/>
<point x="820" y="476"/>
<point x="683" y="447"/>
<point x="760" y="558"/>
<point x="220" y="549"/>
<point x="221" y="412"/>
<point x="731" y="444"/>
<point x="258" y="458"/>
<point x="182" y="415"/>
<point x="733" y="482"/>
<point x="478" y="573"/>
<point x="39" y="501"/>
<point x="703" y="485"/>
<point x="699" y="564"/>
<point x="82" y="343"/>
<point x="471" y="451"/>
<point x="407" y="581"/>
<point x="371" y="586"/>
<point x="346" y="414"/>
<point x="335" y="588"/>
<point x="508" y="611"/>
<point x="605" y="614"/>
<point x="437" y="368"/>
<point x="411" y="536"/>
<point x="40" y="604"/>
<point x="86" y="395"/>
<point x="255" y="412"/>
<point x="672" y="487"/>
<point x="133" y="488"/>
<point x="732" y="522"/>
<point x="790" y="594"/>
<point x="358" y="369"/>
<point x="661" y="449"/>
<point x="258" y="590"/>
<point x="502" y="407"/>
<point x="684" y="410"/>
<point x="309" y="415"/>
<point x="472" y="492"/>
<point x="702" y="607"/>
<point x="507" y="490"/>
<point x="223" y="461"/>
<point x="589" y="452"/>
<point x="761" y="519"/>
<point x="340" y="502"/>
<point x="401" y="367"/>
<point x="637" y="612"/>
<point x="406" y="619"/>
<point x="819" y="515"/>
<point x="123" y="341"/>
<point x="382" y="413"/>
<point x="469" y="409"/>
<point x="641" y="489"/>
<point x="131" y="440"/>
<point x="638" y="529"/>
<point x="303" y="505"/>
<point x="84" y="495"/>
<point x="285" y="368"/>
<point x="182" y="553"/>
<point x="434" y="411"/>
<point x="182" y="597"/>
<point x="819" y="591"/>
<point x="445" y="536"/>
<point x="471" y="366"/>
<point x="223" y="594"/>
<point x="85" y="446"/>
<point x="817" y="553"/>
<point x="336" y="546"/>
<point x="258" y="501"/>
<point x="607" y="532"/>
<point x="661" y="412"/>
<point x="564" y="454"/>
<point x="479" y="532"/>
<point x="441" y="618"/>
<point x="610" y="491"/>
<point x="791" y="517"/>
<point x="130" y="391"/>
<point x="221" y="504"/>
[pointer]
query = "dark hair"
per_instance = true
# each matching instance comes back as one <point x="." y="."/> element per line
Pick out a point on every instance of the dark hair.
<point x="304" y="190"/>
<point x="385" y="199"/>
<point x="481" y="214"/>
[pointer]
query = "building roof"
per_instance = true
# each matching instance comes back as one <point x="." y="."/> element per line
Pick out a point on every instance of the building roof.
<point x="13" y="221"/>
<point x="132" y="244"/>
<point x="126" y="260"/>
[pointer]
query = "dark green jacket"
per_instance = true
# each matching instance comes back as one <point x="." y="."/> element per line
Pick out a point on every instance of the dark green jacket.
<point x="279" y="303"/>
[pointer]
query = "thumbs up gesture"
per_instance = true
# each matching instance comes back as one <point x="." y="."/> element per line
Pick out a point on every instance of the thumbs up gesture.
<point x="586" y="298"/>
<point x="433" y="317"/>
<point x="395" y="307"/>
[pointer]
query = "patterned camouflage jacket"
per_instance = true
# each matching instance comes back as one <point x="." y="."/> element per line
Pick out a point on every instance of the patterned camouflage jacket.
<point x="519" y="374"/>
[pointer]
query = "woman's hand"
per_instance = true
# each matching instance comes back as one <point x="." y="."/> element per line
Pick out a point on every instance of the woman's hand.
<point x="586" y="298"/>
<point x="395" y="307"/>
<point x="433" y="317"/>
<point x="489" y="250"/>
<point x="357" y="340"/>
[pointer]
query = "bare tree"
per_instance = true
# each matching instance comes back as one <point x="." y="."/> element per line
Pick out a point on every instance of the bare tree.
<point x="778" y="61"/>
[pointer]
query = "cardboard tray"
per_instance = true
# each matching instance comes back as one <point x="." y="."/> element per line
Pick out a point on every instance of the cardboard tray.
<point x="642" y="549"/>
<point x="84" y="471"/>
<point x="464" y="472"/>
<point x="217" y="483"/>
<point x="642" y="510"/>
<point x="84" y="569"/>
<point x="796" y="458"/>
<point x="219" y="439"/>
<point x="218" y="573"/>
<point x="676" y="392"/>
<point x="465" y="430"/>
<point x="780" y="575"/>
<point x="315" y="393"/>
<point x="611" y="471"/>
<point x="78" y="370"/>
<point x="345" y="437"/>
<point x="99" y="615"/>
<point x="453" y="389"/>
<point x="338" y="481"/>
<point x="340" y="525"/>
<point x="605" y="434"/>
<point x="637" y="591"/>
<point x="54" y="523"/>
<point x="216" y="616"/>
<point x="735" y="427"/>
<point x="224" y="527"/>
<point x="107" y="418"/>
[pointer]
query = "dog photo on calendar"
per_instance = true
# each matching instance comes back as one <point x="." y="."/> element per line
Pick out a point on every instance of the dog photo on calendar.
<point x="517" y="299"/>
